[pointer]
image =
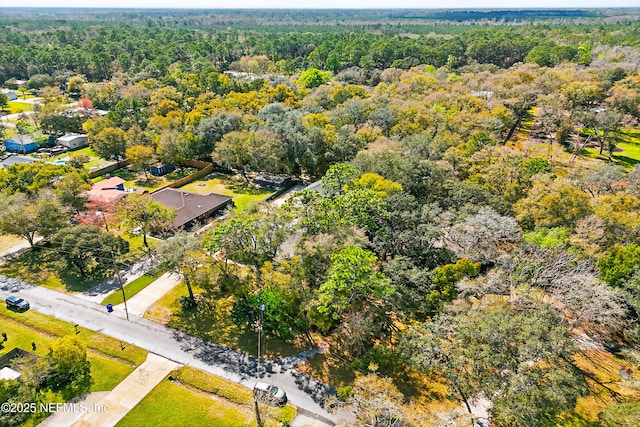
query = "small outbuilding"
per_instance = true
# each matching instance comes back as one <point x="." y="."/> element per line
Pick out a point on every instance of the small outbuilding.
<point x="73" y="141"/>
<point x="160" y="169"/>
<point x="20" y="144"/>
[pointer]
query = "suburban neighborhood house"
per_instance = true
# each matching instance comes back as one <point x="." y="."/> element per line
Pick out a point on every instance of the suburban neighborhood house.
<point x="109" y="190"/>
<point x="13" y="159"/>
<point x="20" y="144"/>
<point x="191" y="207"/>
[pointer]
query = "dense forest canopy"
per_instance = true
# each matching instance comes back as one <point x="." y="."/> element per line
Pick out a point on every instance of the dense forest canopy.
<point x="101" y="43"/>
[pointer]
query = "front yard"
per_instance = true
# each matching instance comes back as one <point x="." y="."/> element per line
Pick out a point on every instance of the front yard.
<point x="192" y="397"/>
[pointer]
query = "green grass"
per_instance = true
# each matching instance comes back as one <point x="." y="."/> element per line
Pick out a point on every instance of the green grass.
<point x="16" y="107"/>
<point x="50" y="327"/>
<point x="44" y="267"/>
<point x="109" y="364"/>
<point x="133" y="287"/>
<point x="223" y="184"/>
<point x="170" y="404"/>
<point x="94" y="159"/>
<point x="629" y="143"/>
<point x="107" y="372"/>
<point x="199" y="398"/>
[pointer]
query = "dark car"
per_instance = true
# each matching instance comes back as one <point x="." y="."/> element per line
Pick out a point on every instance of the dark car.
<point x="270" y="394"/>
<point x="17" y="303"/>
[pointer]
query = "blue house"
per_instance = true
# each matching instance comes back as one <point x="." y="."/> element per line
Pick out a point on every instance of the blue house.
<point x="20" y="144"/>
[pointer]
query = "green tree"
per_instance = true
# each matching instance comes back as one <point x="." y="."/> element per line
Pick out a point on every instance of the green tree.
<point x="141" y="212"/>
<point x="4" y="101"/>
<point x="352" y="282"/>
<point x="26" y="218"/>
<point x="110" y="143"/>
<point x="618" y="263"/>
<point x="313" y="77"/>
<point x="178" y="255"/>
<point x="236" y="151"/>
<point x="140" y="158"/>
<point x="70" y="368"/>
<point x="552" y="206"/>
<point x="87" y="247"/>
<point x="519" y="354"/>
<point x="337" y="177"/>
<point x="71" y="190"/>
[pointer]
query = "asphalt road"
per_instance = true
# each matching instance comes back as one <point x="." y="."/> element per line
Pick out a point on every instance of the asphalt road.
<point x="302" y="391"/>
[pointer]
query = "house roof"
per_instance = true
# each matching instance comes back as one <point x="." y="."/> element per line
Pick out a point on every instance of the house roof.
<point x="107" y="190"/>
<point x="20" y="139"/>
<point x="189" y="206"/>
<point x="71" y="136"/>
<point x="273" y="179"/>
<point x="7" y="373"/>
<point x="12" y="160"/>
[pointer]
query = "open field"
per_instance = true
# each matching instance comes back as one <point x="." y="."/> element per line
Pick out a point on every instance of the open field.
<point x="192" y="397"/>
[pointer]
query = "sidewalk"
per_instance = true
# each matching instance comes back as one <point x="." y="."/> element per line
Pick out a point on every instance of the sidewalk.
<point x="144" y="299"/>
<point x="115" y="405"/>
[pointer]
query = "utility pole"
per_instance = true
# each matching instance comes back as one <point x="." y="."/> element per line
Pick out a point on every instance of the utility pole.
<point x="124" y="297"/>
<point x="255" y="396"/>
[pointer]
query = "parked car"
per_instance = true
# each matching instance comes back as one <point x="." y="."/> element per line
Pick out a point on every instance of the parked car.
<point x="270" y="394"/>
<point x="17" y="303"/>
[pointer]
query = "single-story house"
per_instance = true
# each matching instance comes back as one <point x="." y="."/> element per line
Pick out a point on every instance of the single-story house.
<point x="73" y="141"/>
<point x="108" y="190"/>
<point x="20" y="144"/>
<point x="10" y="94"/>
<point x="191" y="207"/>
<point x="13" y="159"/>
<point x="272" y="182"/>
<point x="160" y="169"/>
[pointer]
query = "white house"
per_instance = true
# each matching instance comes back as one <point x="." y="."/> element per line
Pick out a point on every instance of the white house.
<point x="73" y="140"/>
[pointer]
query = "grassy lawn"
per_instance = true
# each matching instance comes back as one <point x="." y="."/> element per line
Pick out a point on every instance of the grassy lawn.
<point x="211" y="320"/>
<point x="198" y="398"/>
<point x="44" y="267"/>
<point x="109" y="364"/>
<point x="16" y="107"/>
<point x="94" y="159"/>
<point x="223" y="184"/>
<point x="629" y="143"/>
<point x="133" y="287"/>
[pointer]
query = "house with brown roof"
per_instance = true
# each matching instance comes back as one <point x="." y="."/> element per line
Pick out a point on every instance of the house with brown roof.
<point x="191" y="207"/>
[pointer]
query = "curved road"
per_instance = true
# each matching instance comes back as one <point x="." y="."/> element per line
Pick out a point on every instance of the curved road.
<point x="303" y="391"/>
